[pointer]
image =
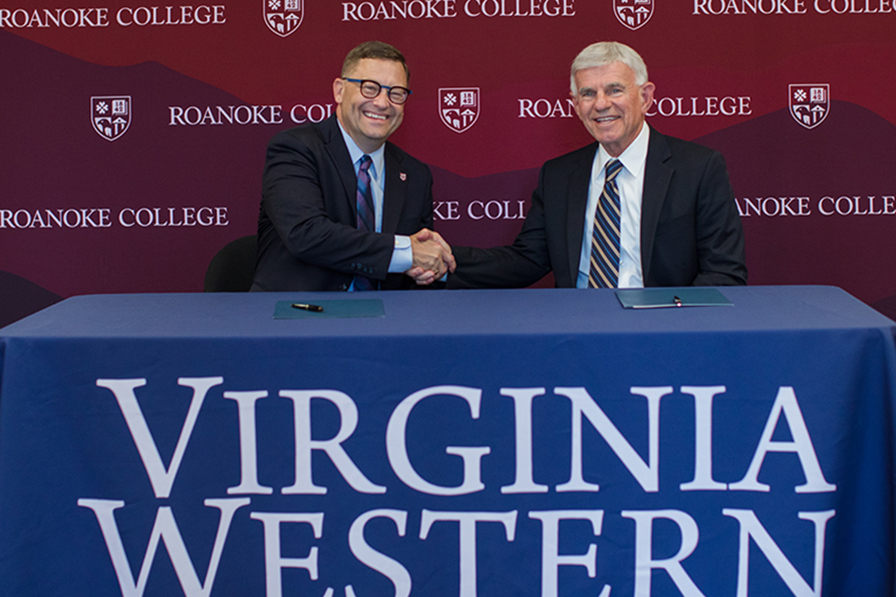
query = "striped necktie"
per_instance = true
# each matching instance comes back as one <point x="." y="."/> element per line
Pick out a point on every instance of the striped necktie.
<point x="604" y="271"/>
<point x="366" y="218"/>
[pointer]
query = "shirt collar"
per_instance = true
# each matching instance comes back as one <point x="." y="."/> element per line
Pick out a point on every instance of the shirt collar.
<point x="635" y="155"/>
<point x="378" y="156"/>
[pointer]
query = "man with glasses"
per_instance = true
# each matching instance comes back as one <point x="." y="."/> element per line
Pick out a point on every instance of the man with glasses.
<point x="342" y="208"/>
<point x="635" y="208"/>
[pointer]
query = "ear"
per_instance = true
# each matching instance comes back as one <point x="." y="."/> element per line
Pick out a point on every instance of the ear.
<point x="646" y="93"/>
<point x="338" y="88"/>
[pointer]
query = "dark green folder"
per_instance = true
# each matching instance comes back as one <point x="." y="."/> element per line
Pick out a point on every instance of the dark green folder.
<point x="655" y="298"/>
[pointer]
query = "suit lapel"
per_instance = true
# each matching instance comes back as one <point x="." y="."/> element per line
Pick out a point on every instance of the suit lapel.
<point x="657" y="176"/>
<point x="338" y="152"/>
<point x="395" y="190"/>
<point x="577" y="203"/>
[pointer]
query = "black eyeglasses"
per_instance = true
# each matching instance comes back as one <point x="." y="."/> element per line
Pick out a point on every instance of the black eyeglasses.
<point x="371" y="89"/>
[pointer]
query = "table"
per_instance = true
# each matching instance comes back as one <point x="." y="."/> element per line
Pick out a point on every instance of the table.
<point x="498" y="443"/>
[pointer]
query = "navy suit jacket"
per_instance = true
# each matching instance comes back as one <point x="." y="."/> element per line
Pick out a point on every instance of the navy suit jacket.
<point x="307" y="232"/>
<point x="691" y="232"/>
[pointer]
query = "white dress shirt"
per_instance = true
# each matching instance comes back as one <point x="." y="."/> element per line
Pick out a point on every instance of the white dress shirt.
<point x="630" y="182"/>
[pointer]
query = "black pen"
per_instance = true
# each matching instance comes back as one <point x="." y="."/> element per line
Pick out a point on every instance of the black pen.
<point x="307" y="307"/>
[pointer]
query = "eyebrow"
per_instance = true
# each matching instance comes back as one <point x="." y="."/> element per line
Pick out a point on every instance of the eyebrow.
<point x="605" y="87"/>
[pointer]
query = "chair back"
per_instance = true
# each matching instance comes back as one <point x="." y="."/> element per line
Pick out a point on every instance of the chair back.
<point x="233" y="267"/>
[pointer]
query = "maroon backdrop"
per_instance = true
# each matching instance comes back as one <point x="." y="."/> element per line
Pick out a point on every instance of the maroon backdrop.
<point x="133" y="136"/>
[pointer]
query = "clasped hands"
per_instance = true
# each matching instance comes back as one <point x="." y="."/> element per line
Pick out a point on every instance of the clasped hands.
<point x="432" y="257"/>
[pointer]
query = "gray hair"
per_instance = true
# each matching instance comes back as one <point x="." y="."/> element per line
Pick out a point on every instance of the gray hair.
<point x="604" y="53"/>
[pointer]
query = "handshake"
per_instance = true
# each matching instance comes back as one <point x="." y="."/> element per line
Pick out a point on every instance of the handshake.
<point x="432" y="257"/>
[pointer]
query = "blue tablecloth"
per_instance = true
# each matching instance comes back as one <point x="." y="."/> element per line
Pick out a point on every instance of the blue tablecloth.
<point x="501" y="443"/>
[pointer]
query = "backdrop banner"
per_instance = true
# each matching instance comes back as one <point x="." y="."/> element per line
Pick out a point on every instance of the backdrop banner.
<point x="134" y="135"/>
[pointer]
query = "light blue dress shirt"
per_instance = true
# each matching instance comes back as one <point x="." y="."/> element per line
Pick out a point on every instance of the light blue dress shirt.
<point x="402" y="254"/>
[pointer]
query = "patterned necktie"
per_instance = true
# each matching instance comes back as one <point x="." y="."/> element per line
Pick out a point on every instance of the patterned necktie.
<point x="366" y="219"/>
<point x="604" y="271"/>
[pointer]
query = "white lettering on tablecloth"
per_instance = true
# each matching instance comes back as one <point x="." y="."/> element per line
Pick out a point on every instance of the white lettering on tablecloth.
<point x="411" y="471"/>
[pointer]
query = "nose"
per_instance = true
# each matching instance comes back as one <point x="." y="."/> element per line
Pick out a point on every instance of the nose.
<point x="601" y="101"/>
<point x="381" y="100"/>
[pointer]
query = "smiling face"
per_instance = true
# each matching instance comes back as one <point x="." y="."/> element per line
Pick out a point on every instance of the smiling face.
<point x="611" y="105"/>
<point x="369" y="122"/>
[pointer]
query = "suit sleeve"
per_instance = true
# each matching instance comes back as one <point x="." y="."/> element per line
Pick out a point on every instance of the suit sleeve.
<point x="521" y="264"/>
<point x="307" y="204"/>
<point x="720" y="236"/>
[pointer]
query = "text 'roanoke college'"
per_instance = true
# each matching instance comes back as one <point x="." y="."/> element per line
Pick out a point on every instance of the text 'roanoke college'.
<point x="141" y="16"/>
<point x="794" y="7"/>
<point x="843" y="205"/>
<point x="102" y="217"/>
<point x="449" y="9"/>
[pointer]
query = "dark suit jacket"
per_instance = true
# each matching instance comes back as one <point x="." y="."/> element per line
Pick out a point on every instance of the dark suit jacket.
<point x="691" y="233"/>
<point x="307" y="232"/>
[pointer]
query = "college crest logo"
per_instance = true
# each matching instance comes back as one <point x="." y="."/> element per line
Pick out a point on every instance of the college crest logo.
<point x="459" y="107"/>
<point x="110" y="115"/>
<point x="634" y="14"/>
<point x="283" y="16"/>
<point x="810" y="103"/>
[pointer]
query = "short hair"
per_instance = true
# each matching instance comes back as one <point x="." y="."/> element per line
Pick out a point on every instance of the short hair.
<point x="604" y="53"/>
<point x="377" y="50"/>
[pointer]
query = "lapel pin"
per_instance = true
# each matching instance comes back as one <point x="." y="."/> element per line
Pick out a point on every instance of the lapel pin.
<point x="403" y="176"/>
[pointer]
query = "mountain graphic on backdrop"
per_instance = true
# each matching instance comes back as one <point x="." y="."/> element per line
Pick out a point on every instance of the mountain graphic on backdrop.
<point x="157" y="164"/>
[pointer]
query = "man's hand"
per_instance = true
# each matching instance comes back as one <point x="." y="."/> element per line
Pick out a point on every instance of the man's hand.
<point x="432" y="257"/>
